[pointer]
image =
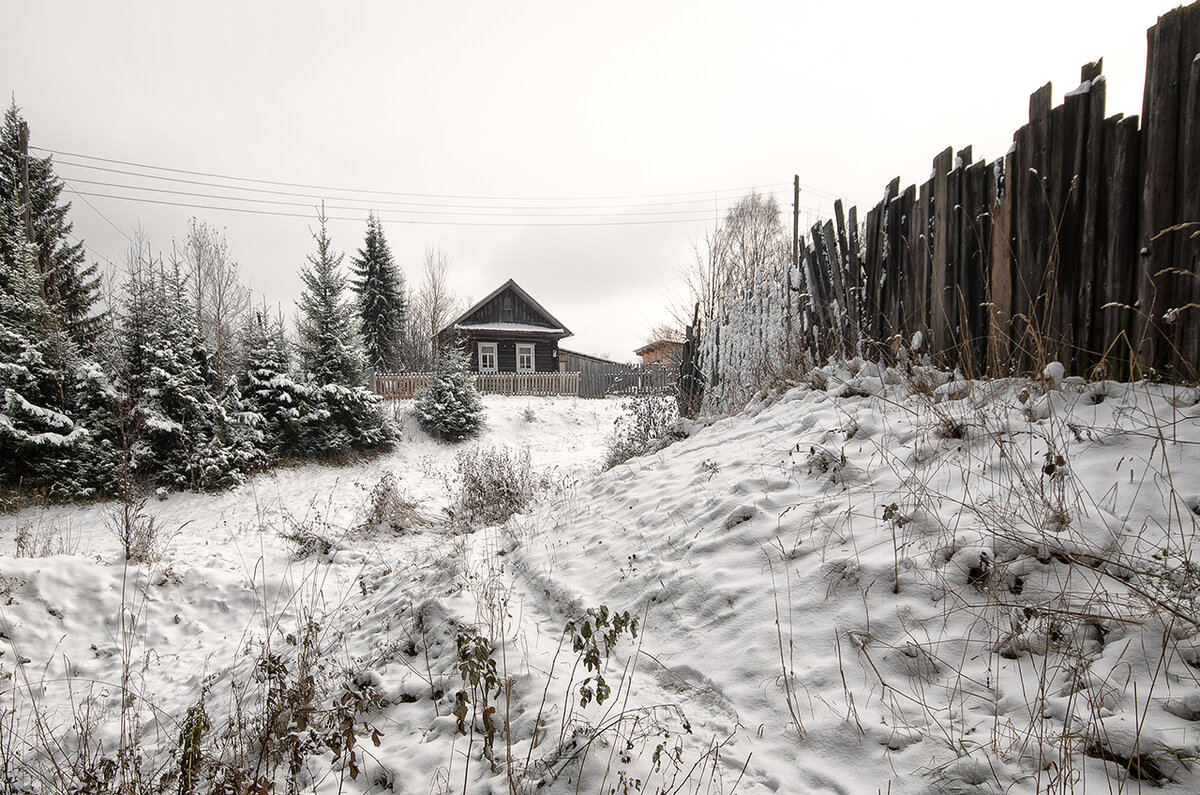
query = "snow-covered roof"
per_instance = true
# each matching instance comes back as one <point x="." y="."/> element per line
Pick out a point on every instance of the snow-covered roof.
<point x="516" y="288"/>
<point x="652" y="345"/>
<point x="519" y="328"/>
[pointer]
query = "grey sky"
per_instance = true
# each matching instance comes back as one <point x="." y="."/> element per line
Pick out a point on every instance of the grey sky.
<point x="570" y="101"/>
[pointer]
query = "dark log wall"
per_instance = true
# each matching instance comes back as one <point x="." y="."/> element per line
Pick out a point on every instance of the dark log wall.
<point x="545" y="359"/>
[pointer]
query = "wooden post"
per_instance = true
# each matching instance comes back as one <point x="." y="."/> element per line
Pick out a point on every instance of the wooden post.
<point x="795" y="220"/>
<point x="939" y="315"/>
<point x="25" y="183"/>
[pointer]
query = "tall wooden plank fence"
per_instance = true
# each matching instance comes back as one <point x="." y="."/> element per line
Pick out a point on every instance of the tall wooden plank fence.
<point x="1079" y="245"/>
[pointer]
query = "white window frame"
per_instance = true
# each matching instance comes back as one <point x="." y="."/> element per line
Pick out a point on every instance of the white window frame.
<point x="531" y="349"/>
<point x="489" y="349"/>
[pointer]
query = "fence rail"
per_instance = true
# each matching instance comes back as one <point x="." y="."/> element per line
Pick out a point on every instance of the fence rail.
<point x="394" y="386"/>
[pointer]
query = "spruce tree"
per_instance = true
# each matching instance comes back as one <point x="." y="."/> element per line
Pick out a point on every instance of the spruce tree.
<point x="379" y="286"/>
<point x="69" y="285"/>
<point x="329" y="345"/>
<point x="37" y="433"/>
<point x="448" y="407"/>
<point x="345" y="416"/>
<point x="280" y="403"/>
<point x="186" y="432"/>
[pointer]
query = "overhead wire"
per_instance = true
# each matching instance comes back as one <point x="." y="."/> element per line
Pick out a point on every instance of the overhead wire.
<point x="375" y="201"/>
<point x="705" y="193"/>
<point x="395" y="211"/>
<point x="546" y="212"/>
<point x="71" y="188"/>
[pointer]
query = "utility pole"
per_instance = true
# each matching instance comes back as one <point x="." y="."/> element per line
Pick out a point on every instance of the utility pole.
<point x="796" y="221"/>
<point x="795" y="261"/>
<point x="25" y="181"/>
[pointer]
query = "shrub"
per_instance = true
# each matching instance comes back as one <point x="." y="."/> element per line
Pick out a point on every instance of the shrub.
<point x="388" y="510"/>
<point x="645" y="427"/>
<point x="448" y="407"/>
<point x="140" y="535"/>
<point x="495" y="484"/>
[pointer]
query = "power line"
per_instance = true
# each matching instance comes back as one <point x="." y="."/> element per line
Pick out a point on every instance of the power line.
<point x="629" y="306"/>
<point x="69" y="187"/>
<point x="703" y="200"/>
<point x="281" y="214"/>
<point x="705" y="193"/>
<point x="551" y="212"/>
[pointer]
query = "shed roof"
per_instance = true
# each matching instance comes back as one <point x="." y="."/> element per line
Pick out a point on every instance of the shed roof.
<point x="650" y="346"/>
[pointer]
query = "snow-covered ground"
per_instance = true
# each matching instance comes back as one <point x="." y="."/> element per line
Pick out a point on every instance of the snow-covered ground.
<point x="871" y="583"/>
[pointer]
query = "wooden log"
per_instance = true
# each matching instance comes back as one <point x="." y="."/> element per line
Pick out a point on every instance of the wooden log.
<point x="849" y="278"/>
<point x="1187" y="321"/>
<point x="954" y="265"/>
<point x="823" y="280"/>
<point x="893" y="273"/>
<point x="972" y="293"/>
<point x="921" y="260"/>
<point x="855" y="270"/>
<point x="1160" y="125"/>
<point x="1088" y="340"/>
<point x="939" y="275"/>
<point x="1033" y="223"/>
<point x="831" y="265"/>
<point x="896" y="281"/>
<point x="964" y="233"/>
<point x="1119" y="283"/>
<point x="1070" y="136"/>
<point x="1000" y="281"/>
<point x="908" y="238"/>
<point x="872" y="275"/>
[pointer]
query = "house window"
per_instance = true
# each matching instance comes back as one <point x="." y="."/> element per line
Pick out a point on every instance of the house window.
<point x="524" y="358"/>
<point x="506" y="309"/>
<point x="487" y="357"/>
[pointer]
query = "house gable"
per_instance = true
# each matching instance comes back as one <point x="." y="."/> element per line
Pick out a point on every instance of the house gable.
<point x="509" y="308"/>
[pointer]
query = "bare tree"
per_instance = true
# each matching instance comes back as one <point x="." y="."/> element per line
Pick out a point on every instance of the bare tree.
<point x="215" y="291"/>
<point x="749" y="241"/>
<point x="431" y="306"/>
<point x="664" y="331"/>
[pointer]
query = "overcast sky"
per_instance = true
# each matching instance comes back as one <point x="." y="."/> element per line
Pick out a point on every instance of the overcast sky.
<point x="464" y="124"/>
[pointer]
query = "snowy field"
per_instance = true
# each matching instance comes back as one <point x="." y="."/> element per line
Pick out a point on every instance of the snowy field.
<point x="869" y="583"/>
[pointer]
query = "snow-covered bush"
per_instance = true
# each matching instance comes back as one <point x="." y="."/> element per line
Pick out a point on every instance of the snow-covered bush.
<point x="448" y="406"/>
<point x="646" y="426"/>
<point x="495" y="484"/>
<point x="388" y="509"/>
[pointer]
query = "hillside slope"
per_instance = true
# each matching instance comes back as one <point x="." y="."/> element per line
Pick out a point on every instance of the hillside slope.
<point x="871" y="583"/>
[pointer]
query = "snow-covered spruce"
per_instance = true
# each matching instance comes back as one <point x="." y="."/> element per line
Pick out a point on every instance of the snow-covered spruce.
<point x="448" y="406"/>
<point x="344" y="416"/>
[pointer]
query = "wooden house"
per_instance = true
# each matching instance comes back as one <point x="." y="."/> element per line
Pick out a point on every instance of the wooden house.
<point x="507" y="332"/>
<point x="661" y="352"/>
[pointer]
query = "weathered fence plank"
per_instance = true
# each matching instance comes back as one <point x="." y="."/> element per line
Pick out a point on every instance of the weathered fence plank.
<point x="1000" y="281"/>
<point x="940" y="322"/>
<point x="1088" y="339"/>
<point x="1160" y="132"/>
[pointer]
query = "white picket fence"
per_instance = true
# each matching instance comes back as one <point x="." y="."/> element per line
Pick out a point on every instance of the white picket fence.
<point x="393" y="386"/>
